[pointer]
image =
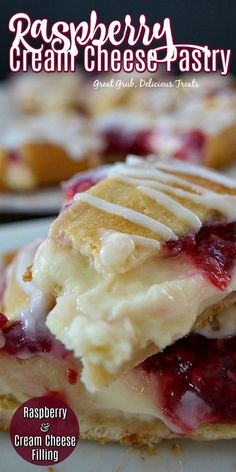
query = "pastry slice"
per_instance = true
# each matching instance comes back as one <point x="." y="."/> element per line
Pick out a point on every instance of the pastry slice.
<point x="188" y="390"/>
<point x="199" y="129"/>
<point x="136" y="262"/>
<point x="46" y="149"/>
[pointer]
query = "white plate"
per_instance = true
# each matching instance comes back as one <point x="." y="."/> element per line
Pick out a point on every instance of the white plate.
<point x="217" y="456"/>
<point x="40" y="202"/>
<point x="89" y="457"/>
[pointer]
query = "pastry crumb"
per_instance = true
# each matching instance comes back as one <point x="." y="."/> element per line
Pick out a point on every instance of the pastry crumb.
<point x="147" y="452"/>
<point x="27" y="276"/>
<point x="103" y="441"/>
<point x="176" y="448"/>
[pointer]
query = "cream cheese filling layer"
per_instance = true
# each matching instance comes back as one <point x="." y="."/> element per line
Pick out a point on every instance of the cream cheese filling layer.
<point x="134" y="393"/>
<point x="105" y="319"/>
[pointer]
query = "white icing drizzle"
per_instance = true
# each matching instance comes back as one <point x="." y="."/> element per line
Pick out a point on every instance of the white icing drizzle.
<point x="174" y="207"/>
<point x="129" y="214"/>
<point x="155" y="183"/>
<point x="125" y="122"/>
<point x="142" y="241"/>
<point x="212" y="200"/>
<point x="120" y="250"/>
<point x="197" y="171"/>
<point x="146" y="173"/>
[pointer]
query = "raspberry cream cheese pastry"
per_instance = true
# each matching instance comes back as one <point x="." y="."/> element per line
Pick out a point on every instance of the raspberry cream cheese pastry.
<point x="201" y="130"/>
<point x="176" y="393"/>
<point x="43" y="93"/>
<point x="46" y="149"/>
<point x="136" y="262"/>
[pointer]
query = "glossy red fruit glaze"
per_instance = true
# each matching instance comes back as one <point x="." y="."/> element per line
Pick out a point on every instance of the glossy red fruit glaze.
<point x="129" y="143"/>
<point x="206" y="368"/>
<point x="82" y="182"/>
<point x="21" y="342"/>
<point x="3" y="320"/>
<point x="212" y="249"/>
<point x="72" y="376"/>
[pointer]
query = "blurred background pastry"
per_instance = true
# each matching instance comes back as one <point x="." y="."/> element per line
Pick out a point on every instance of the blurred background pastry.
<point x="42" y="150"/>
<point x="46" y="92"/>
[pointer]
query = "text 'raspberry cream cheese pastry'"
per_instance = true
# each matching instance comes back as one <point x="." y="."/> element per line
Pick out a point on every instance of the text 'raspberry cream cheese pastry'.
<point x="187" y="390"/>
<point x="46" y="149"/>
<point x="136" y="262"/>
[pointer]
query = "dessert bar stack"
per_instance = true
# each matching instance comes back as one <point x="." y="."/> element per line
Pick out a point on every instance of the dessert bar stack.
<point x="127" y="309"/>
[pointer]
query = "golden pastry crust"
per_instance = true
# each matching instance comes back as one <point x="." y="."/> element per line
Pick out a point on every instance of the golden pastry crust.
<point x="129" y="431"/>
<point x="15" y="298"/>
<point x="81" y="223"/>
<point x="221" y="148"/>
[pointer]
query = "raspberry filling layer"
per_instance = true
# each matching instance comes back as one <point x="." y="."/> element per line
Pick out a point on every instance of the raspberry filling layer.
<point x="196" y="381"/>
<point x="81" y="186"/>
<point x="192" y="146"/>
<point x="82" y="182"/>
<point x="128" y="143"/>
<point x="212" y="249"/>
<point x="21" y="342"/>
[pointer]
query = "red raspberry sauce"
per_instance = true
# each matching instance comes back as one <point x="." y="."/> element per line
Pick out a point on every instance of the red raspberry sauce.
<point x="3" y="320"/>
<point x="72" y="376"/>
<point x="81" y="186"/>
<point x="128" y="143"/>
<point x="212" y="249"/>
<point x="193" y="146"/>
<point x="20" y="341"/>
<point x="205" y="367"/>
